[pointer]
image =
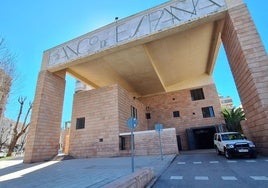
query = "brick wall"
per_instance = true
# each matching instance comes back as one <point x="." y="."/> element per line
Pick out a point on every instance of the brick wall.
<point x="249" y="64"/>
<point x="44" y="131"/>
<point x="147" y="142"/>
<point x="161" y="108"/>
<point x="106" y="111"/>
<point x="126" y="100"/>
<point x="100" y="135"/>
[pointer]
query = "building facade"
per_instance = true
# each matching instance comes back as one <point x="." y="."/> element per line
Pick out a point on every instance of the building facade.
<point x="226" y="102"/>
<point x="157" y="66"/>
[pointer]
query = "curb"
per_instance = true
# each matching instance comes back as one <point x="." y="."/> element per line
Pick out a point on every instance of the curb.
<point x="152" y="182"/>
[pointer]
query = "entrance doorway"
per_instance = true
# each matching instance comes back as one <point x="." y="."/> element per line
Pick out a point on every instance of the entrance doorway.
<point x="179" y="142"/>
<point x="201" y="137"/>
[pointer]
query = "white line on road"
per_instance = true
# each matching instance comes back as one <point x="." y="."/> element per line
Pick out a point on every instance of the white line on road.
<point x="197" y="162"/>
<point x="231" y="161"/>
<point x="176" y="177"/>
<point x="228" y="178"/>
<point x="213" y="162"/>
<point x="181" y="163"/>
<point x="201" y="178"/>
<point x="250" y="161"/>
<point x="260" y="178"/>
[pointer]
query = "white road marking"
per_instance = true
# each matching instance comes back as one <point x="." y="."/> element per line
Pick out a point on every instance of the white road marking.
<point x="181" y="163"/>
<point x="197" y="162"/>
<point x="176" y="177"/>
<point x="201" y="178"/>
<point x="260" y="178"/>
<point x="231" y="161"/>
<point x="213" y="162"/>
<point x="250" y="161"/>
<point x="228" y="178"/>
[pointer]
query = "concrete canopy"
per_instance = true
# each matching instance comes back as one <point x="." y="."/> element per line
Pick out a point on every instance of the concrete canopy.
<point x="160" y="60"/>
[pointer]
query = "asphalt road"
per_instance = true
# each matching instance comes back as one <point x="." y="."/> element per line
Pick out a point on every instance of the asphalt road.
<point x="205" y="169"/>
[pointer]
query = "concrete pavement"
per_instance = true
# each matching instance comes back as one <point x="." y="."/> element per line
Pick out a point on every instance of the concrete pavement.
<point x="75" y="173"/>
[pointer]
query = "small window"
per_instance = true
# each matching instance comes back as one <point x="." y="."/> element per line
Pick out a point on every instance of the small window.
<point x="176" y="114"/>
<point x="197" y="94"/>
<point x="148" y="116"/>
<point x="208" y="112"/>
<point x="80" y="123"/>
<point x="122" y="143"/>
<point x="134" y="112"/>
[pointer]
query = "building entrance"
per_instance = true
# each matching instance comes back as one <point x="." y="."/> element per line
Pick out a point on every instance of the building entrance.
<point x="201" y="137"/>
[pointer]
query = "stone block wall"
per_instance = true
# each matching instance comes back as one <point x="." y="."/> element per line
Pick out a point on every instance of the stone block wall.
<point x="126" y="100"/>
<point x="106" y="111"/>
<point x="99" y="137"/>
<point x="249" y="64"/>
<point x="147" y="142"/>
<point x="44" y="131"/>
<point x="161" y="109"/>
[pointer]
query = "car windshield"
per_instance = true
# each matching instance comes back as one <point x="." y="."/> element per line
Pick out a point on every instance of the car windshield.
<point x="232" y="136"/>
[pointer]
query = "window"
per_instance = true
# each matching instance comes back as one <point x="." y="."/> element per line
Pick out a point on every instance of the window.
<point x="122" y="143"/>
<point x="197" y="94"/>
<point x="176" y="114"/>
<point x="148" y="116"/>
<point x="134" y="112"/>
<point x="80" y="123"/>
<point x="208" y="112"/>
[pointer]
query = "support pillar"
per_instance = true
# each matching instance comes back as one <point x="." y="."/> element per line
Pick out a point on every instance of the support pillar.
<point x="249" y="64"/>
<point x="44" y="131"/>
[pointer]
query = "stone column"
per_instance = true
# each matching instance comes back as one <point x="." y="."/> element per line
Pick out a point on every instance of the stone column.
<point x="44" y="131"/>
<point x="249" y="64"/>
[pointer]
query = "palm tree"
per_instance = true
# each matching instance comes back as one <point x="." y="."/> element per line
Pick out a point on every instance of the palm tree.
<point x="233" y="117"/>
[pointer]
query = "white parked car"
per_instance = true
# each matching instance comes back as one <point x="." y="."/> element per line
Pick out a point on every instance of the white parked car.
<point x="234" y="144"/>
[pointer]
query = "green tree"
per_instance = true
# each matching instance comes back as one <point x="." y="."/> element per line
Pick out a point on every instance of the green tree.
<point x="233" y="117"/>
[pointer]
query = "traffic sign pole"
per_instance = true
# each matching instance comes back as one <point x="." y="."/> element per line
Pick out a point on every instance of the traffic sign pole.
<point x="160" y="145"/>
<point x="132" y="123"/>
<point x="159" y="128"/>
<point x="132" y="150"/>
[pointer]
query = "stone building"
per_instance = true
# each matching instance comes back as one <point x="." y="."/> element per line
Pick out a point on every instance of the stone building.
<point x="156" y="66"/>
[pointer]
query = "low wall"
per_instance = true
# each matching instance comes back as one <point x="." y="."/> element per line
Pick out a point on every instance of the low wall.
<point x="147" y="142"/>
<point x="138" y="179"/>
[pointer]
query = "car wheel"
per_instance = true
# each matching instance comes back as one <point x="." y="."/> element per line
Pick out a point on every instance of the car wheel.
<point x="227" y="154"/>
<point x="218" y="151"/>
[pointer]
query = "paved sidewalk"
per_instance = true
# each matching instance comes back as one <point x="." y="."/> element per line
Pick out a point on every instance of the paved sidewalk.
<point x="75" y="173"/>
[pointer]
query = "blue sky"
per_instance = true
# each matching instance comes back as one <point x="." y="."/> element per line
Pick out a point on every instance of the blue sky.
<point x="31" y="27"/>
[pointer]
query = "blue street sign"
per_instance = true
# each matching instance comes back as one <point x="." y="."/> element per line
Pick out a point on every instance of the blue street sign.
<point x="132" y="123"/>
<point x="158" y="127"/>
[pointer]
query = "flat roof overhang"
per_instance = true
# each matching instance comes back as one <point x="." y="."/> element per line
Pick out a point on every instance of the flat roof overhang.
<point x="167" y="60"/>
